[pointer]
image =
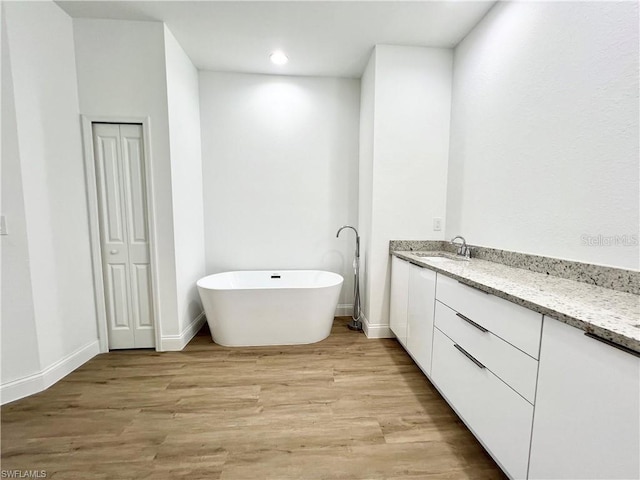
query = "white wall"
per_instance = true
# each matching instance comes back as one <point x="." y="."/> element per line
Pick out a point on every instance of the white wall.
<point x="280" y="170"/>
<point x="544" y="143"/>
<point x="412" y="104"/>
<point x="121" y="73"/>
<point x="186" y="177"/>
<point x="51" y="169"/>
<point x="365" y="178"/>
<point x="20" y="353"/>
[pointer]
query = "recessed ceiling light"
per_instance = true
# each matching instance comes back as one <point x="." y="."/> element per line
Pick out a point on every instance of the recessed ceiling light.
<point x="279" y="58"/>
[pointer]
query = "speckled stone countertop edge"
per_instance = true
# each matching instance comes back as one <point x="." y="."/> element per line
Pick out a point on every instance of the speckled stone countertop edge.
<point x="613" y="333"/>
<point x="619" y="279"/>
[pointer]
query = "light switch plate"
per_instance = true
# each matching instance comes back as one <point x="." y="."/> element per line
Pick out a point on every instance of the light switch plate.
<point x="3" y="225"/>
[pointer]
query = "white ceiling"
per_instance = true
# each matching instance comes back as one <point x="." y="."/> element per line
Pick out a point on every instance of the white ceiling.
<point x="321" y="38"/>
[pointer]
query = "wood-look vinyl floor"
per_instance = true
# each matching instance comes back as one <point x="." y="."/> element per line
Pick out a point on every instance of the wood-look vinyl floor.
<point x="344" y="408"/>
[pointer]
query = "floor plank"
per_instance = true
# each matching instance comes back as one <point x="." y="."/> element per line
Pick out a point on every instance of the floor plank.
<point x="344" y="408"/>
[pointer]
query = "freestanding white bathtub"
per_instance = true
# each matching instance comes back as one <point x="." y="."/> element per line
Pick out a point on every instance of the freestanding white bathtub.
<point x="285" y="307"/>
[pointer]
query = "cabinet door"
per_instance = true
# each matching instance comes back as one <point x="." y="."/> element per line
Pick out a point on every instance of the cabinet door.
<point x="398" y="299"/>
<point x="422" y="295"/>
<point x="493" y="411"/>
<point x="512" y="366"/>
<point x="515" y="324"/>
<point x="587" y="419"/>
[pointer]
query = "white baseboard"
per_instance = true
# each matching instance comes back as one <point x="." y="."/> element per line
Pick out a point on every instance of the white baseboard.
<point x="344" y="310"/>
<point x="175" y="343"/>
<point x="37" y="382"/>
<point x="376" y="330"/>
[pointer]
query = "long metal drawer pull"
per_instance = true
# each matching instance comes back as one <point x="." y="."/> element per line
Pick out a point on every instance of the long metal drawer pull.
<point x="475" y="288"/>
<point x="613" y="344"/>
<point x="468" y="355"/>
<point x="471" y="322"/>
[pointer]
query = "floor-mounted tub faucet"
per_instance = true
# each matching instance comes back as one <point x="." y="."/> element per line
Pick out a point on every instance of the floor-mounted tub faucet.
<point x="463" y="249"/>
<point x="355" y="323"/>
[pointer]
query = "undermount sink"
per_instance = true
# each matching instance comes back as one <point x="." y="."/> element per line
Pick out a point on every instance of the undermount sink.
<point x="440" y="257"/>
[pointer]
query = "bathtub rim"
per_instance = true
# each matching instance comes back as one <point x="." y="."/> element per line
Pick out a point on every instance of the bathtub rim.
<point x="338" y="280"/>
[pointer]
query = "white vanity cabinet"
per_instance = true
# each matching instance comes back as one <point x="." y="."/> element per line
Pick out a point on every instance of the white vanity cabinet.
<point x="411" y="309"/>
<point x="546" y="400"/>
<point x="485" y="365"/>
<point x="496" y="414"/>
<point x="587" y="419"/>
<point x="398" y="301"/>
<point x="516" y="325"/>
<point x="420" y="310"/>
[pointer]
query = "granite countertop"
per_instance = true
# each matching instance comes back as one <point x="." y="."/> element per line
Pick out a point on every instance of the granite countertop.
<point x="609" y="314"/>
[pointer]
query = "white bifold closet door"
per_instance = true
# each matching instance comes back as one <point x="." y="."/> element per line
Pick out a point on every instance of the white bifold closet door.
<point x="124" y="234"/>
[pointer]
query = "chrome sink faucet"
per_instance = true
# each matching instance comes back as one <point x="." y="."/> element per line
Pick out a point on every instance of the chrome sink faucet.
<point x="463" y="249"/>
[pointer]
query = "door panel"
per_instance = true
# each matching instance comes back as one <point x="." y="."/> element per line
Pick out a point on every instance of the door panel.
<point x="108" y="175"/>
<point x="120" y="174"/>
<point x="118" y="304"/>
<point x="142" y="295"/>
<point x="135" y="192"/>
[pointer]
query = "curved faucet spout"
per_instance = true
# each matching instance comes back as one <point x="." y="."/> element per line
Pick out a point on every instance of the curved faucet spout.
<point x="453" y="240"/>
<point x="357" y="237"/>
<point x="463" y="249"/>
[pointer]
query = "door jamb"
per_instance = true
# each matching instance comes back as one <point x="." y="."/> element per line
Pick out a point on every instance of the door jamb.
<point x="94" y="223"/>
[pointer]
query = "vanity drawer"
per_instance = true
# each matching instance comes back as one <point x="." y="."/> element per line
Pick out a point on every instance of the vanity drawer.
<point x="499" y="417"/>
<point x="517" y="325"/>
<point x="511" y="365"/>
